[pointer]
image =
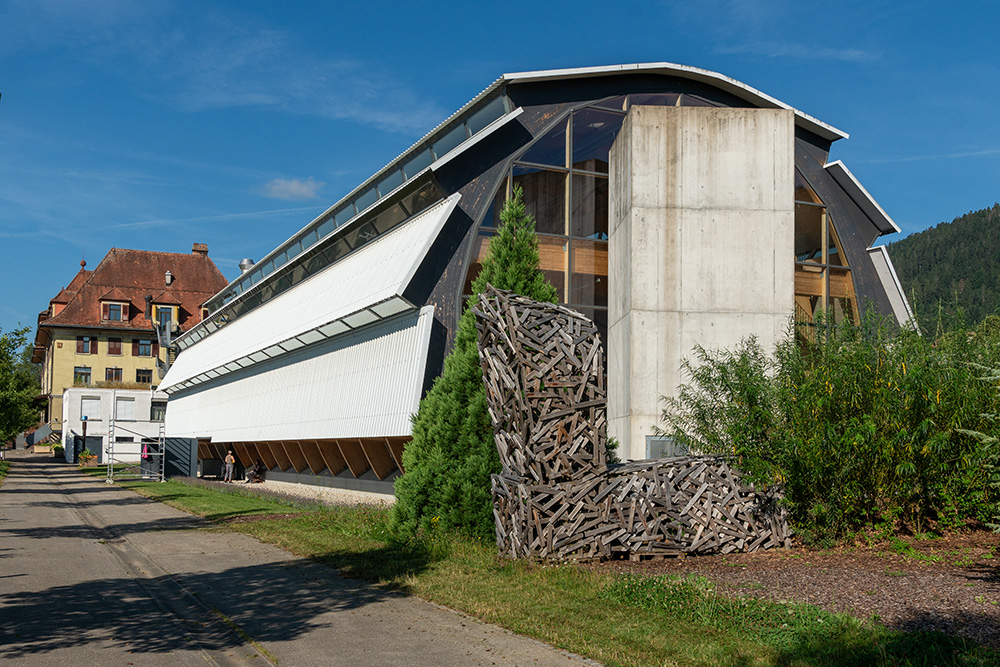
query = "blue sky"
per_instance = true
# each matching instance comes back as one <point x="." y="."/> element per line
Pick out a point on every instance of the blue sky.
<point x="153" y="125"/>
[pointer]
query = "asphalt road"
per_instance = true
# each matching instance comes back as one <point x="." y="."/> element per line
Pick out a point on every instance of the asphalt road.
<point x="92" y="574"/>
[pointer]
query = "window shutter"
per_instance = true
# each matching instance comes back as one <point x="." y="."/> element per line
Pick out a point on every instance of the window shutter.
<point x="135" y="347"/>
<point x="104" y="311"/>
<point x="93" y="345"/>
<point x="156" y="350"/>
<point x="79" y="345"/>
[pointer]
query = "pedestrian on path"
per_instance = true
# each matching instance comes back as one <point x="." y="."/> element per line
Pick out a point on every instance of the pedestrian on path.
<point x="230" y="462"/>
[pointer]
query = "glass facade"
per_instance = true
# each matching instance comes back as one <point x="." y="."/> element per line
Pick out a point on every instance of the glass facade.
<point x="564" y="176"/>
<point x="823" y="280"/>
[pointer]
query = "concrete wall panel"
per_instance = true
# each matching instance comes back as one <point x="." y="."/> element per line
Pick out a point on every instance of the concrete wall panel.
<point x="701" y="247"/>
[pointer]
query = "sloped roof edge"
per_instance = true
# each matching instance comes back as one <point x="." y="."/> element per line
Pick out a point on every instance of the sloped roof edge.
<point x="722" y="81"/>
<point x="861" y="197"/>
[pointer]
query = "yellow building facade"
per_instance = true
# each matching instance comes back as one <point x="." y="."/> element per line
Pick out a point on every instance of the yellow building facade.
<point x="100" y="330"/>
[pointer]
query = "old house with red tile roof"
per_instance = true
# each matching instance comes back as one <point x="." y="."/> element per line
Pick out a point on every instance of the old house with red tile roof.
<point x="96" y="333"/>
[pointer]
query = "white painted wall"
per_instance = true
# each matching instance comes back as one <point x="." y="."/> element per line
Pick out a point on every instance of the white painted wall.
<point x="701" y="248"/>
<point x="365" y="383"/>
<point x="100" y="426"/>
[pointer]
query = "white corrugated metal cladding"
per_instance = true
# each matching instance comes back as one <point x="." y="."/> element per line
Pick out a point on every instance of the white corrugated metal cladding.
<point x="365" y="383"/>
<point x="338" y="372"/>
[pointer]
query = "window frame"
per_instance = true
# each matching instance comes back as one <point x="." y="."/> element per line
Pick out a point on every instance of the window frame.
<point x="79" y="372"/>
<point x="86" y="344"/>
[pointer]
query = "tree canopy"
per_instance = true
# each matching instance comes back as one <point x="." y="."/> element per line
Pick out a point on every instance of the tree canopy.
<point x="18" y="385"/>
<point x="952" y="270"/>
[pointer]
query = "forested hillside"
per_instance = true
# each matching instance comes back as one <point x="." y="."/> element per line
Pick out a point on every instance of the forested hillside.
<point x="951" y="268"/>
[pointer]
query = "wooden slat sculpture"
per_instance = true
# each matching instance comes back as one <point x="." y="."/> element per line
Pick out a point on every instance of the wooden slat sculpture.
<point x="557" y="498"/>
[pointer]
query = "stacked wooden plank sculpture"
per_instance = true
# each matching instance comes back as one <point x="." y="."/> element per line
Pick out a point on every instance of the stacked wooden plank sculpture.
<point x="557" y="498"/>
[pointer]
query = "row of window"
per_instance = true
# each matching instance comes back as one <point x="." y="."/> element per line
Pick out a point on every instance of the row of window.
<point x="90" y="407"/>
<point x="82" y="375"/>
<point x="414" y="164"/>
<point x="112" y="311"/>
<point x="141" y="347"/>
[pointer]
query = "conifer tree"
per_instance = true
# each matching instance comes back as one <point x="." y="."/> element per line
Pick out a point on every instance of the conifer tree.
<point x="449" y="462"/>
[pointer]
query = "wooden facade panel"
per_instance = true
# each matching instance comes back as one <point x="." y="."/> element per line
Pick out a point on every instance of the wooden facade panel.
<point x="355" y="456"/>
<point x="310" y="449"/>
<point x="379" y="457"/>
<point x="332" y="456"/>
<point x="219" y="448"/>
<point x="294" y="453"/>
<point x="264" y="449"/>
<point x="396" y="446"/>
<point x="240" y="449"/>
<point x="284" y="463"/>
<point x="253" y="452"/>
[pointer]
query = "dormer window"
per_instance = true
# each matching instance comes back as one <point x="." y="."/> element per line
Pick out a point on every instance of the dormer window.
<point x="164" y="315"/>
<point x="114" y="311"/>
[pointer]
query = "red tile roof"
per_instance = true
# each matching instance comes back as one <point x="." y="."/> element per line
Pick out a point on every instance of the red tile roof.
<point x="130" y="275"/>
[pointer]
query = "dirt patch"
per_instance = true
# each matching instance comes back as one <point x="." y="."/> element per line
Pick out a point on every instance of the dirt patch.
<point x="951" y="584"/>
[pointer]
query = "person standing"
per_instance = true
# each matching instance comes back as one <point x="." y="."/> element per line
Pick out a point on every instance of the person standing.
<point x="230" y="462"/>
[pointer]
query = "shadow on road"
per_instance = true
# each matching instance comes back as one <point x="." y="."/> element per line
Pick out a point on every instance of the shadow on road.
<point x="281" y="601"/>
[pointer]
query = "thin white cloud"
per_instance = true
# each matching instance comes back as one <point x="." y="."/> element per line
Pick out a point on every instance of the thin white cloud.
<point x="293" y="189"/>
<point x="209" y="218"/>
<point x="941" y="156"/>
<point x="217" y="60"/>
<point x="796" y="51"/>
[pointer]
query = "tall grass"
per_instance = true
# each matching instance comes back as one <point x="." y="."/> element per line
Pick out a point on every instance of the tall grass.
<point x="866" y="428"/>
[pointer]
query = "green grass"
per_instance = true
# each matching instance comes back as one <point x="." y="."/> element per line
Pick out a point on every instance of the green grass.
<point x="614" y="618"/>
<point x="4" y="467"/>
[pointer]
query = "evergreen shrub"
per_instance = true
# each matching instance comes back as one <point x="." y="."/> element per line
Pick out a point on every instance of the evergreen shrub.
<point x="448" y="464"/>
<point x="868" y="428"/>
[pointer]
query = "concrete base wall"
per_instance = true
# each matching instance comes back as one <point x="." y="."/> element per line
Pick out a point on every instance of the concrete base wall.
<point x="701" y="248"/>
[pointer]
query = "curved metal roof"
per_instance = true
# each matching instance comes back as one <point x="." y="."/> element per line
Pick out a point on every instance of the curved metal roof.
<point x="721" y="81"/>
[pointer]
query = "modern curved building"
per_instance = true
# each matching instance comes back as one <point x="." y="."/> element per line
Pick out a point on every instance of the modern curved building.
<point x="674" y="206"/>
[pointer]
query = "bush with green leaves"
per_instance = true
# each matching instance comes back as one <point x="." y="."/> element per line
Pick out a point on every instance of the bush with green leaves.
<point x="449" y="462"/>
<point x="18" y="384"/>
<point x="868" y="428"/>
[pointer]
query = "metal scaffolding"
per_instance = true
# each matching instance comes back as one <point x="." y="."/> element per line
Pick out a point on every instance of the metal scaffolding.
<point x="152" y="457"/>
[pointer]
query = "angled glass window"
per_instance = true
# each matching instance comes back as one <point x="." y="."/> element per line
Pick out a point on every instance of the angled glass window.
<point x="544" y="197"/>
<point x="593" y="133"/>
<point x="549" y="149"/>
<point x="366" y="199"/>
<point x="552" y="259"/>
<point x="344" y="215"/>
<point x="589" y="207"/>
<point x="308" y="238"/>
<point x="653" y="99"/>
<point x="390" y="182"/>
<point x="329" y="224"/>
<point x="823" y="282"/>
<point x="486" y="115"/>
<point x="449" y="141"/>
<point x="803" y="191"/>
<point x="388" y="219"/>
<point x="418" y="163"/>
<point x="688" y="100"/>
<point x="492" y="217"/>
<point x="589" y="278"/>
<point x="616" y="103"/>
